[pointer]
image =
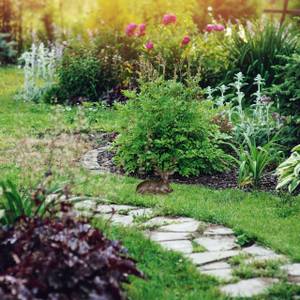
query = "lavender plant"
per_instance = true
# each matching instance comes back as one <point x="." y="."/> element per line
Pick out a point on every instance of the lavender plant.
<point x="39" y="66"/>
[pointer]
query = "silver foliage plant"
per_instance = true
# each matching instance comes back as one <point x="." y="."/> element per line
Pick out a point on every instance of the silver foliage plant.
<point x="39" y="66"/>
<point x="257" y="121"/>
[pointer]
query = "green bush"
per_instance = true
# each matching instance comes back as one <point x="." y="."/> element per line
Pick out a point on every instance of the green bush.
<point x="167" y="129"/>
<point x="7" y="52"/>
<point x="287" y="92"/>
<point x="82" y="76"/>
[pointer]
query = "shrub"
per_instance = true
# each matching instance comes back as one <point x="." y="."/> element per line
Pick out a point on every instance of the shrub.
<point x="289" y="171"/>
<point x="80" y="76"/>
<point x="287" y="92"/>
<point x="7" y="51"/>
<point x="87" y="74"/>
<point x="257" y="48"/>
<point x="177" y="51"/>
<point x="165" y="128"/>
<point x="61" y="259"/>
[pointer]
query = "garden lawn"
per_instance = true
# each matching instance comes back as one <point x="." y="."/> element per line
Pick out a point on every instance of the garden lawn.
<point x="273" y="221"/>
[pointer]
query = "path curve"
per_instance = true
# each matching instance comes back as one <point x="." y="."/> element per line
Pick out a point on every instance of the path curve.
<point x="210" y="247"/>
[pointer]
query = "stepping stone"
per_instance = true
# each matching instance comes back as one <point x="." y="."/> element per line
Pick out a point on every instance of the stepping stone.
<point x="248" y="288"/>
<point x="107" y="209"/>
<point x="292" y="269"/>
<point x="162" y="221"/>
<point x="183" y="246"/>
<point x="190" y="226"/>
<point x="259" y="251"/>
<point x="216" y="266"/>
<point x="209" y="257"/>
<point x="87" y="204"/>
<point x="141" y="212"/>
<point x="265" y="258"/>
<point x="221" y="270"/>
<point x="222" y="274"/>
<point x="168" y="236"/>
<point x="218" y="230"/>
<point x="217" y="243"/>
<point x="122" y="220"/>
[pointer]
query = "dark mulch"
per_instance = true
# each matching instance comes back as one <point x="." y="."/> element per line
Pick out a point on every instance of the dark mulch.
<point x="217" y="181"/>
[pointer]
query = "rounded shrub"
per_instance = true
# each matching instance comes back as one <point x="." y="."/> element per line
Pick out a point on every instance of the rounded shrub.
<point x="167" y="129"/>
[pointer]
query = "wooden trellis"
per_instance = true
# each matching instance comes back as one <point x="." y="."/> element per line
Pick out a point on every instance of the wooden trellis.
<point x="284" y="12"/>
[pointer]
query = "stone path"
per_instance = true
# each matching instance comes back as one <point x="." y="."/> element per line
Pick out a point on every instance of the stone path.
<point x="212" y="248"/>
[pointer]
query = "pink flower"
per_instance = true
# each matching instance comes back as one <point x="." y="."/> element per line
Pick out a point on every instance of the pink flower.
<point x="141" y="30"/>
<point x="210" y="27"/>
<point x="149" y="45"/>
<point x="130" y="29"/>
<point x="215" y="27"/>
<point x="169" y="19"/>
<point x="185" y="40"/>
<point x="219" y="27"/>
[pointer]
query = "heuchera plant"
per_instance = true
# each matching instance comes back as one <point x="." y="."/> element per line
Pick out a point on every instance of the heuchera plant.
<point x="60" y="259"/>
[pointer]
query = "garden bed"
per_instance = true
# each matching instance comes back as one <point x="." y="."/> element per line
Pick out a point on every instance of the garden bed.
<point x="217" y="180"/>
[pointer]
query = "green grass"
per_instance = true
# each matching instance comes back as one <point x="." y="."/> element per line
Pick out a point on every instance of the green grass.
<point x="168" y="275"/>
<point x="263" y="216"/>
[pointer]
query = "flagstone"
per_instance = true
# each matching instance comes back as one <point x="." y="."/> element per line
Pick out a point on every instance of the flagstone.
<point x="183" y="246"/>
<point x="248" y="288"/>
<point x="217" y="243"/>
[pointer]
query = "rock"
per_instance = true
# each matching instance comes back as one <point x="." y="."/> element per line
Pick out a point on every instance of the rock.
<point x="183" y="246"/>
<point x="248" y="288"/>
<point x="215" y="266"/>
<point x="221" y="274"/>
<point x="292" y="269"/>
<point x="141" y="212"/>
<point x="109" y="208"/>
<point x="190" y="226"/>
<point x="217" y="243"/>
<point x="218" y="230"/>
<point x="168" y="236"/>
<point x="209" y="257"/>
<point x="259" y="251"/>
<point x="122" y="220"/>
<point x="265" y="258"/>
<point x="161" y="221"/>
<point x="88" y="204"/>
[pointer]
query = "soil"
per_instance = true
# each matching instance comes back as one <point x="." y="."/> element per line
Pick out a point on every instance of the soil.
<point x="217" y="181"/>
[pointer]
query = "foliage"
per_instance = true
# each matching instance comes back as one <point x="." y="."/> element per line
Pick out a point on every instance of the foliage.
<point x="167" y="129"/>
<point x="85" y="75"/>
<point x="258" y="122"/>
<point x="289" y="171"/>
<point x="257" y="48"/>
<point x="287" y="91"/>
<point x="40" y="65"/>
<point x="15" y="205"/>
<point x="61" y="259"/>
<point x="7" y="51"/>
<point x="253" y="161"/>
